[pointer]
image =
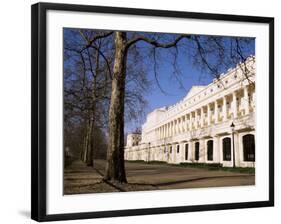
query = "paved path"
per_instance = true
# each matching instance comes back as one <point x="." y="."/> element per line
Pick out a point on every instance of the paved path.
<point x="82" y="179"/>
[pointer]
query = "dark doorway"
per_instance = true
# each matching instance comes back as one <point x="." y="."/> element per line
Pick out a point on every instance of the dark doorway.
<point x="226" y="145"/>
<point x="210" y="147"/>
<point x="186" y="151"/>
<point x="249" y="147"/>
<point x="197" y="151"/>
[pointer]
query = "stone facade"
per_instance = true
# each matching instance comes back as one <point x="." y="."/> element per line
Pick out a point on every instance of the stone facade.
<point x="199" y="127"/>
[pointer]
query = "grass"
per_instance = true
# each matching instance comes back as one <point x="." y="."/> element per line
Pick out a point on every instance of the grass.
<point x="201" y="165"/>
<point x="249" y="170"/>
<point x="145" y="162"/>
<point x="218" y="166"/>
<point x="208" y="166"/>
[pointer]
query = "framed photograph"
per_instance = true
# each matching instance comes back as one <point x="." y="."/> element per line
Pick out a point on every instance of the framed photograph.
<point x="139" y="111"/>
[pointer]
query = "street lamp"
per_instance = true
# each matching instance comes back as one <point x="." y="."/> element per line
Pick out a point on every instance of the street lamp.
<point x="232" y="126"/>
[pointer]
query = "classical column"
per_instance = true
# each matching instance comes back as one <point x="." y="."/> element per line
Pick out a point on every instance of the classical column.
<point x="195" y="119"/>
<point x="202" y="117"/>
<point x="182" y="124"/>
<point x="187" y="122"/>
<point x="216" y="112"/>
<point x="246" y="100"/>
<point x="209" y="114"/>
<point x="174" y="127"/>
<point x="190" y="121"/>
<point x="234" y="105"/>
<point x="170" y="129"/>
<point x="224" y="109"/>
<point x="179" y="125"/>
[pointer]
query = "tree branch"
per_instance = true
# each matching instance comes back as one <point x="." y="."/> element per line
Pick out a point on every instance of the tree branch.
<point x="90" y="42"/>
<point x="156" y="43"/>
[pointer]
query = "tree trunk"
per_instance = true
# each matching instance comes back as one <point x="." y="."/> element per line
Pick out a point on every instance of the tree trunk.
<point x="89" y="147"/>
<point x="89" y="156"/>
<point x="86" y="143"/>
<point x="115" y="167"/>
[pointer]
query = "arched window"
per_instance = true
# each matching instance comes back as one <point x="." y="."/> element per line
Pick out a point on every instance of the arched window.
<point x="210" y="146"/>
<point x="197" y="151"/>
<point x="249" y="147"/>
<point x="186" y="151"/>
<point x="226" y="147"/>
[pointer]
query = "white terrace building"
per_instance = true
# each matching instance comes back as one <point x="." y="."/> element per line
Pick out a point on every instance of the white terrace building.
<point x="198" y="128"/>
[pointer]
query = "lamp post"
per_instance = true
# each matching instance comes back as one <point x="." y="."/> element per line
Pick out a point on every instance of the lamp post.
<point x="232" y="126"/>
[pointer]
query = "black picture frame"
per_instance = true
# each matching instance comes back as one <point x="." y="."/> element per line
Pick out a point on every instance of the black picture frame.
<point x="39" y="122"/>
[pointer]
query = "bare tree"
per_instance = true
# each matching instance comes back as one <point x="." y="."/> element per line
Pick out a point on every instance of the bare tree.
<point x="87" y="87"/>
<point x="91" y="95"/>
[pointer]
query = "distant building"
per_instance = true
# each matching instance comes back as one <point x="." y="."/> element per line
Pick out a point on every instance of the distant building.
<point x="198" y="128"/>
<point x="133" y="139"/>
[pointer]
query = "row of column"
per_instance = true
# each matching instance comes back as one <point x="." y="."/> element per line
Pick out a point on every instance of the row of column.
<point x="194" y="120"/>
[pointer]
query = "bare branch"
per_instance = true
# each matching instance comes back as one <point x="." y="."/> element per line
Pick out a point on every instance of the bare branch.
<point x="90" y="42"/>
<point x="156" y="43"/>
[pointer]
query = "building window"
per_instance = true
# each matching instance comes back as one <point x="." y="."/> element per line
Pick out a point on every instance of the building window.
<point x="249" y="147"/>
<point x="210" y="146"/>
<point x="226" y="147"/>
<point x="178" y="148"/>
<point x="197" y="151"/>
<point x="171" y="149"/>
<point x="186" y="151"/>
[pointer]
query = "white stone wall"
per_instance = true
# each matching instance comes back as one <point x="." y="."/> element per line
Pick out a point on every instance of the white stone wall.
<point x="206" y="113"/>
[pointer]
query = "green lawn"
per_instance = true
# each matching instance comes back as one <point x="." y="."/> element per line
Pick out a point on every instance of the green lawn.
<point x="209" y="166"/>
